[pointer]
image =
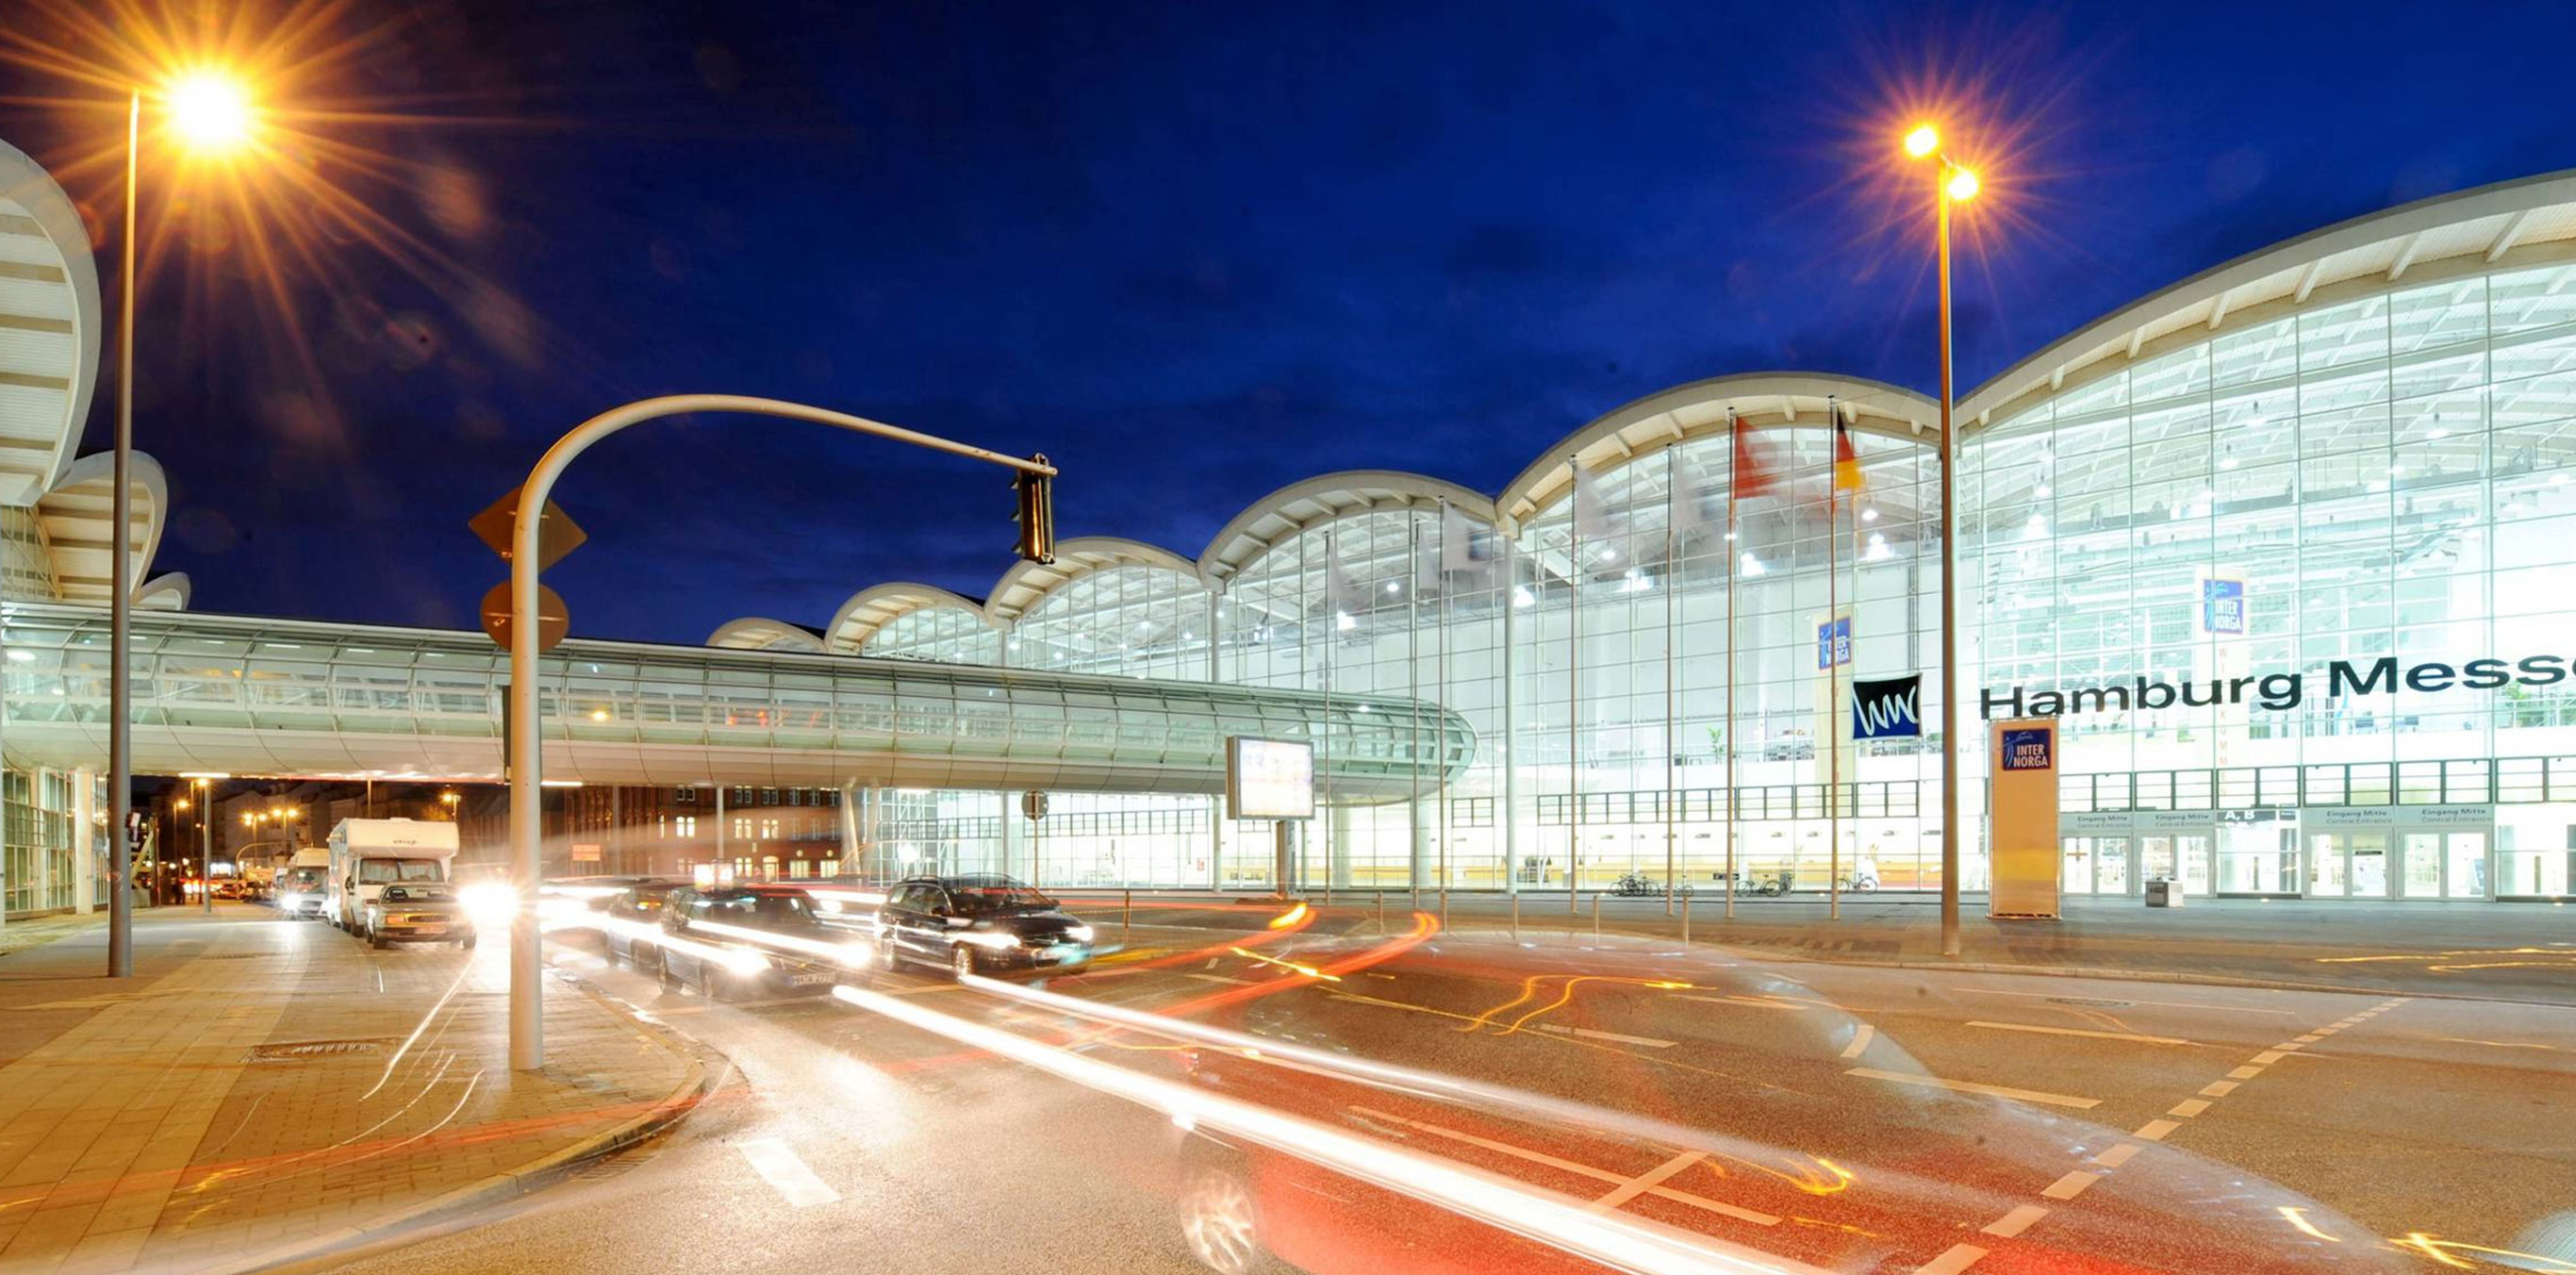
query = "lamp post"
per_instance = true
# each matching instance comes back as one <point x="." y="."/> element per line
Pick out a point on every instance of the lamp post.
<point x="211" y="113"/>
<point x="1952" y="183"/>
<point x="524" y="753"/>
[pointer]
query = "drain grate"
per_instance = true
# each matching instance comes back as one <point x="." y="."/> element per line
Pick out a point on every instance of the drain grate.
<point x="299" y="1050"/>
<point x="2088" y="1002"/>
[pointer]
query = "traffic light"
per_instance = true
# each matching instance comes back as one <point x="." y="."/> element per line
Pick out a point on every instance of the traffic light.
<point x="1036" y="514"/>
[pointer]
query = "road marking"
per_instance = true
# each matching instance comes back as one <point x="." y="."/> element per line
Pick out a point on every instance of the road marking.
<point x="2077" y="1031"/>
<point x="2500" y="1044"/>
<point x="779" y="1164"/>
<point x="1742" y="1000"/>
<point x="2233" y="1009"/>
<point x="1220" y="978"/>
<point x="2311" y="1038"/>
<point x="1970" y="1086"/>
<point x="2155" y="1130"/>
<point x="1569" y="1166"/>
<point x="2288" y="1047"/>
<point x="2269" y="1057"/>
<point x="2245" y="1073"/>
<point x="2015" y="1222"/>
<point x="1859" y="1040"/>
<point x="2218" y="1088"/>
<point x="1648" y="1180"/>
<point x="2119" y="1155"/>
<point x="2189" y="1107"/>
<point x="1647" y="1041"/>
<point x="2070" y="1186"/>
<point x="1959" y="1257"/>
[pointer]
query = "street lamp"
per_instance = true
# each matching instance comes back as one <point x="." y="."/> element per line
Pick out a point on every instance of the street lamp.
<point x="1952" y="183"/>
<point x="210" y="113"/>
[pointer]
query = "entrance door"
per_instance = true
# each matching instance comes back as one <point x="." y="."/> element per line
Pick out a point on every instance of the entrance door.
<point x="2325" y="866"/>
<point x="2075" y="866"/>
<point x="2468" y="865"/>
<point x="2369" y="878"/>
<point x="2191" y="867"/>
<point x="2423" y="870"/>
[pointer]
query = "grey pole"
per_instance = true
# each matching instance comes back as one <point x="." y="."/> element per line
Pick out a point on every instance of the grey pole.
<point x="120" y="694"/>
<point x="1949" y="602"/>
<point x="527" y="952"/>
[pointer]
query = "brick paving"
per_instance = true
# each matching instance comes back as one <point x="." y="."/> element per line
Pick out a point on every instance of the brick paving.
<point x="156" y="1122"/>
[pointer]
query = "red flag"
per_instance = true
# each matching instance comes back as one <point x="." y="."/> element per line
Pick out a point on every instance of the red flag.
<point x="1751" y="479"/>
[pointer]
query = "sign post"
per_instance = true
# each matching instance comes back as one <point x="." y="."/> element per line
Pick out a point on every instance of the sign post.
<point x="1271" y="779"/>
<point x="2021" y="819"/>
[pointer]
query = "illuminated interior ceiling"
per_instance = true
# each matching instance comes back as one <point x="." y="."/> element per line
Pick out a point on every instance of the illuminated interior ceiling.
<point x="49" y="328"/>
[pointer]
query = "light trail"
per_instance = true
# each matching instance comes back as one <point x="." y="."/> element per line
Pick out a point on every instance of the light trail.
<point x="1623" y="1243"/>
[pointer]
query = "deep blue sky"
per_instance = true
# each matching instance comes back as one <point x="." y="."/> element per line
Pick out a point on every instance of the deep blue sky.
<point x="1195" y="252"/>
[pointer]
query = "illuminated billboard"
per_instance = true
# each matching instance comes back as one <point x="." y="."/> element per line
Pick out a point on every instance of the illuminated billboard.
<point x="1269" y="778"/>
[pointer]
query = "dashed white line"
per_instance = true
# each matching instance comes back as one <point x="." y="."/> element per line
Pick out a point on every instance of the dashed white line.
<point x="2070" y="1186"/>
<point x="2218" y="1088"/>
<point x="2500" y="1044"/>
<point x="2269" y="1057"/>
<point x="1220" y="978"/>
<point x="782" y="1168"/>
<point x="2233" y="1009"/>
<point x="2114" y="1157"/>
<point x="2155" y="1130"/>
<point x="1570" y="1166"/>
<point x="2015" y="1222"/>
<point x="2247" y="1072"/>
<point x="2189" y="1107"/>
<point x="2078" y="1031"/>
<point x="1743" y="1000"/>
<point x="1589" y="1034"/>
<point x="1859" y="1040"/>
<point x="1970" y="1086"/>
<point x="1957" y="1258"/>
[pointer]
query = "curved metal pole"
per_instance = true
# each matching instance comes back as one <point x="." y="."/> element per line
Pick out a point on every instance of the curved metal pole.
<point x="120" y="712"/>
<point x="527" y="1027"/>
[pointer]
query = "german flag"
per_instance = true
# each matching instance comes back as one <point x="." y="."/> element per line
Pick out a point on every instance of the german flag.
<point x="1846" y="458"/>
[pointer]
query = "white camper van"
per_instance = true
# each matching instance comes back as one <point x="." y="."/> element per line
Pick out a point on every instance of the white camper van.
<point x="302" y="885"/>
<point x="369" y="854"/>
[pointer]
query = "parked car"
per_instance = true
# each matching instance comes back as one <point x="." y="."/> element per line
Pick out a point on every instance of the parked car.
<point x="228" y="889"/>
<point x="629" y="920"/>
<point x="420" y="912"/>
<point x="745" y="940"/>
<point x="302" y="889"/>
<point x="980" y="924"/>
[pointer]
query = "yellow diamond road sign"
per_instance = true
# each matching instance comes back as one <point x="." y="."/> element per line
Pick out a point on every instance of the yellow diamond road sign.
<point x="556" y="533"/>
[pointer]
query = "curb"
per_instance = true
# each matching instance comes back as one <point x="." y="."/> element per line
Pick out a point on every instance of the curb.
<point x="536" y="1175"/>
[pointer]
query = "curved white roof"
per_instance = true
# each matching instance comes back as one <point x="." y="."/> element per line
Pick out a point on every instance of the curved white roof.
<point x="165" y="593"/>
<point x="77" y="516"/>
<point x="1027" y="583"/>
<point x="1282" y="514"/>
<point x="1699" y="409"/>
<point x="50" y="322"/>
<point x="757" y="633"/>
<point x="872" y="608"/>
<point x="2466" y="231"/>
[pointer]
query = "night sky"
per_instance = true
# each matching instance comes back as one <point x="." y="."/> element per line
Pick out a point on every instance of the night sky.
<point x="1193" y="252"/>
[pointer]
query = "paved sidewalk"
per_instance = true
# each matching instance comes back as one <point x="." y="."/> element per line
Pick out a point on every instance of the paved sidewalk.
<point x="37" y="931"/>
<point x="2502" y="951"/>
<point x="265" y="1089"/>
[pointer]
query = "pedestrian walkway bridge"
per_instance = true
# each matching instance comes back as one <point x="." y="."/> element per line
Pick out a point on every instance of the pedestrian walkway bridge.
<point x="248" y="696"/>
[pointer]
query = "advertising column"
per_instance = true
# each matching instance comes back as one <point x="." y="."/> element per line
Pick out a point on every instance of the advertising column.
<point x="2023" y="817"/>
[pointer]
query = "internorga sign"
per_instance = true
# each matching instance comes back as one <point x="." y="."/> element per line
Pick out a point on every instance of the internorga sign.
<point x="2278" y="692"/>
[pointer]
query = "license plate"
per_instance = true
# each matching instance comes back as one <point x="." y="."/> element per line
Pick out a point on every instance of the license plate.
<point x="429" y="927"/>
<point x="807" y="980"/>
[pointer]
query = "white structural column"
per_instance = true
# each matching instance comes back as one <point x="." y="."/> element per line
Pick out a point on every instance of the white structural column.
<point x="1511" y="766"/>
<point x="850" y="826"/>
<point x="85" y="841"/>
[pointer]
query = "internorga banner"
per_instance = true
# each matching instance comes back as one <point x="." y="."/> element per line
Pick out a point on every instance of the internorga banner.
<point x="2277" y="692"/>
<point x="2023" y="818"/>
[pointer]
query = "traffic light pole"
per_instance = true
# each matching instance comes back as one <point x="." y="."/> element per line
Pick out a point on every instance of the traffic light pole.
<point x="527" y="1026"/>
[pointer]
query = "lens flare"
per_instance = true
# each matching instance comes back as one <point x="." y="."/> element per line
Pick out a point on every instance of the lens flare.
<point x="1924" y="140"/>
<point x="210" y="111"/>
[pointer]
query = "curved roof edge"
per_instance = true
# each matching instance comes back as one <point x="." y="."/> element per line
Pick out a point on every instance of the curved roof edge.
<point x="2484" y="222"/>
<point x="169" y="592"/>
<point x="1698" y="409"/>
<point x="1028" y="583"/>
<point x="78" y="513"/>
<point x="1281" y="515"/>
<point x="25" y="184"/>
<point x="878" y="605"/>
<point x="759" y="633"/>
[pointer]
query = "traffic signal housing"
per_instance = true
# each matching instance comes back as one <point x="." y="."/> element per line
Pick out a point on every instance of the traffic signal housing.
<point x="1036" y="514"/>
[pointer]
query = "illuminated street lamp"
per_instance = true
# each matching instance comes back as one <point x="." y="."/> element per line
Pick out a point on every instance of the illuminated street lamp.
<point x="210" y="113"/>
<point x="1952" y="183"/>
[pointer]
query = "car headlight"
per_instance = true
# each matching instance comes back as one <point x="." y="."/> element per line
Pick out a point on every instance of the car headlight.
<point x="742" y="960"/>
<point x="1079" y="934"/>
<point x="489" y="902"/>
<point x="998" y="940"/>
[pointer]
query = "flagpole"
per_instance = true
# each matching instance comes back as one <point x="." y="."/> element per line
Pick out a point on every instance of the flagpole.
<point x="1833" y="665"/>
<point x="1671" y="582"/>
<point x="1734" y="565"/>
<point x="1574" y="696"/>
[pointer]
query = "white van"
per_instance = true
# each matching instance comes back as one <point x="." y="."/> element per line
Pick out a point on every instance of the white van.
<point x="369" y="854"/>
<point x="302" y="885"/>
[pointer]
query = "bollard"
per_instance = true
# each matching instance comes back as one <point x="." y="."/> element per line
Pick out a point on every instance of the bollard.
<point x="1126" y="915"/>
<point x="1381" y="911"/>
<point x="1516" y="916"/>
<point x="1596" y="916"/>
<point x="1686" y="920"/>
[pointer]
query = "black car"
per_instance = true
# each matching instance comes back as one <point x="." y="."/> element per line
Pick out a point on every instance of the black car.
<point x="983" y="924"/>
<point x="747" y="940"/>
<point x="630" y="920"/>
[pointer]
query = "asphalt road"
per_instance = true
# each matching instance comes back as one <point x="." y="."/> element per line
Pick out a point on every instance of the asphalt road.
<point x="1848" y="1118"/>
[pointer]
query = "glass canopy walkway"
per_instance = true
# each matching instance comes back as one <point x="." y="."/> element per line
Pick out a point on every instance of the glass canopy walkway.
<point x="247" y="696"/>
